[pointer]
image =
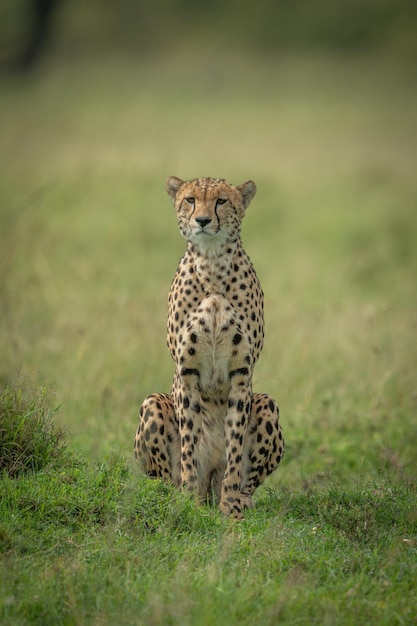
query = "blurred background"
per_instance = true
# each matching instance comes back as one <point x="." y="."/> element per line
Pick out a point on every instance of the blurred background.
<point x="316" y="101"/>
<point x="30" y="27"/>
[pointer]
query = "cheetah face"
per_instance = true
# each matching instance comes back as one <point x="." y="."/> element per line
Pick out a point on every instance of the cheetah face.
<point x="209" y="210"/>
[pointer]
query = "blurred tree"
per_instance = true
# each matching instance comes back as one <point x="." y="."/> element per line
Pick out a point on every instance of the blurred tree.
<point x="38" y="17"/>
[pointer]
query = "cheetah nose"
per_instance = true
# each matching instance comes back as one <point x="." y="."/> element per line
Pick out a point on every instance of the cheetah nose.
<point x="203" y="221"/>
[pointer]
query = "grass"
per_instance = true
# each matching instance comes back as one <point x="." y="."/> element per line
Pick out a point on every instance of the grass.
<point x="109" y="548"/>
<point x="89" y="245"/>
<point x="29" y="439"/>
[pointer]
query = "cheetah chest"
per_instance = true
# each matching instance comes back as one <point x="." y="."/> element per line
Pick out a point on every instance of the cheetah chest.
<point x="213" y="346"/>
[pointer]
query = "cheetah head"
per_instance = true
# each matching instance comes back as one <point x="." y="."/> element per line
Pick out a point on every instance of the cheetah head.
<point x="209" y="210"/>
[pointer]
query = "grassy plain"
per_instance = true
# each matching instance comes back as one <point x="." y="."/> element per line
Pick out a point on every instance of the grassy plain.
<point x="89" y="245"/>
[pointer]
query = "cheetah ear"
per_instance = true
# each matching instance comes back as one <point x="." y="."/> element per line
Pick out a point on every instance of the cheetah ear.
<point x="247" y="190"/>
<point x="172" y="185"/>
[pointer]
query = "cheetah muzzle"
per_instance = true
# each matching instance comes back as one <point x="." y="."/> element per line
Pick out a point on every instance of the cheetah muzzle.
<point x="212" y="435"/>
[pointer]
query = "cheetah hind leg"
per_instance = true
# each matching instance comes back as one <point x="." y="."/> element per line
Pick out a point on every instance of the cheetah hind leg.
<point x="157" y="439"/>
<point x="263" y="447"/>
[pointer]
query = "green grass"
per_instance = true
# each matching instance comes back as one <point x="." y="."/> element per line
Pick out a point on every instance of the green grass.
<point x="109" y="546"/>
<point x="89" y="245"/>
<point x="29" y="439"/>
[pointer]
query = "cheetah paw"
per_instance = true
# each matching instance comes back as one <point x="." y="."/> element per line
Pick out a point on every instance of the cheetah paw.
<point x="246" y="501"/>
<point x="231" y="509"/>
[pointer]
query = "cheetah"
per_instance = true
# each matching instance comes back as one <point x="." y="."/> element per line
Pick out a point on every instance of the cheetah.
<point x="212" y="435"/>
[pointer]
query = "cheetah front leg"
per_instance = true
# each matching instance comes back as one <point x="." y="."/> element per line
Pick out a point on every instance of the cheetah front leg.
<point x="237" y="418"/>
<point x="188" y="409"/>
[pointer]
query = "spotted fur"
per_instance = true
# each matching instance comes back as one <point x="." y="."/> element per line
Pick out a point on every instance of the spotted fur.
<point x="212" y="435"/>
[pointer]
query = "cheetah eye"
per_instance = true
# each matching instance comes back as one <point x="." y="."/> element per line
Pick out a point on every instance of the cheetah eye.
<point x="190" y="200"/>
<point x="221" y="200"/>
